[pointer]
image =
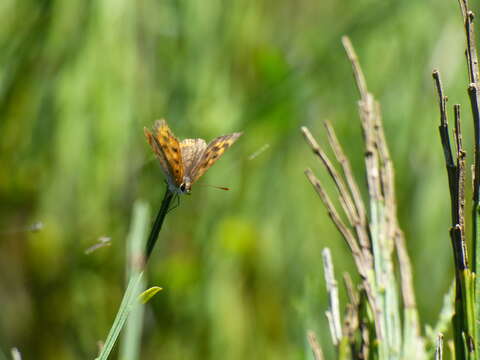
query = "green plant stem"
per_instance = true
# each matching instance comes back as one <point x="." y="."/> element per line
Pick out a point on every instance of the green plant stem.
<point x="157" y="225"/>
<point x="472" y="281"/>
<point x="134" y="284"/>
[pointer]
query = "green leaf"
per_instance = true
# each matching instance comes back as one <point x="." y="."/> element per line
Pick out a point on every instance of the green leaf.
<point x="145" y="296"/>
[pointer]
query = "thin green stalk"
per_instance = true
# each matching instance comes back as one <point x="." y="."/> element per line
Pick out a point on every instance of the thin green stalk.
<point x="130" y="344"/>
<point x="473" y="93"/>
<point x="157" y="225"/>
<point x="464" y="323"/>
<point x="475" y="267"/>
<point x="378" y="268"/>
<point x="128" y="301"/>
<point x="476" y="243"/>
<point x="344" y="352"/>
<point x="467" y="282"/>
<point x="472" y="283"/>
<point x="133" y="288"/>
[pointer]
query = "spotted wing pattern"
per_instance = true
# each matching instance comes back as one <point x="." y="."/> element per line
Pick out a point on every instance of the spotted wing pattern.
<point x="212" y="153"/>
<point x="192" y="151"/>
<point x="167" y="148"/>
<point x="156" y="149"/>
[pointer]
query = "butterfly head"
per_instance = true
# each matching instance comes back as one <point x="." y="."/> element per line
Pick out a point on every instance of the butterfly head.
<point x="186" y="186"/>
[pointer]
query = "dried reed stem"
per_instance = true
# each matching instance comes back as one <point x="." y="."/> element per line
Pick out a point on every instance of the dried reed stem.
<point x="464" y="323"/>
<point x="315" y="346"/>
<point x="342" y="228"/>
<point x="333" y="313"/>
<point x="439" y="348"/>
<point x="361" y="223"/>
<point x="345" y="198"/>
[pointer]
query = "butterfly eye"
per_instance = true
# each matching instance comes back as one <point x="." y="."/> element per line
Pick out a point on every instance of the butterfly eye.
<point x="182" y="187"/>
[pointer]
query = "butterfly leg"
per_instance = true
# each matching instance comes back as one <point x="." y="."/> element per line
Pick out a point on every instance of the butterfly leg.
<point x="177" y="198"/>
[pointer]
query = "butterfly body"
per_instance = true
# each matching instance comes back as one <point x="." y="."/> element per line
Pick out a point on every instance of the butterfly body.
<point x="183" y="163"/>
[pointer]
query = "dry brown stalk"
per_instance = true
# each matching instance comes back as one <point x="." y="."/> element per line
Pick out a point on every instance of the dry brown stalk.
<point x="372" y="238"/>
<point x="350" y="239"/>
<point x="342" y="228"/>
<point x="351" y="292"/>
<point x="405" y="266"/>
<point x="316" y="349"/>
<point x="361" y="224"/>
<point x="345" y="198"/>
<point x="455" y="172"/>
<point x="439" y="347"/>
<point x="333" y="313"/>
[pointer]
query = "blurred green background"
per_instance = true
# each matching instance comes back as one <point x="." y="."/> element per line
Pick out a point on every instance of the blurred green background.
<point x="241" y="270"/>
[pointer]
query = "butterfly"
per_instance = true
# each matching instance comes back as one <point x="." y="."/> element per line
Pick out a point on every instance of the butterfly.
<point x="184" y="162"/>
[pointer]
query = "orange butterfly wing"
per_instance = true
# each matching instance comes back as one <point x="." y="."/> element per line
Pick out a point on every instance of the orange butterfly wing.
<point x="213" y="152"/>
<point x="167" y="148"/>
<point x="192" y="152"/>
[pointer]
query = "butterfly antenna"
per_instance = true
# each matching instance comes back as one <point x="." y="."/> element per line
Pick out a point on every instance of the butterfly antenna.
<point x="215" y="187"/>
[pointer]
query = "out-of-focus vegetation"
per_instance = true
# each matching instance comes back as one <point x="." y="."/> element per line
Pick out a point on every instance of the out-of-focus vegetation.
<point x="241" y="270"/>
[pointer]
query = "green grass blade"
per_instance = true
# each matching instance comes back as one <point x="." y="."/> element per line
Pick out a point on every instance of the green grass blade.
<point x="130" y="344"/>
<point x="135" y="283"/>
<point x="128" y="302"/>
<point x="476" y="267"/>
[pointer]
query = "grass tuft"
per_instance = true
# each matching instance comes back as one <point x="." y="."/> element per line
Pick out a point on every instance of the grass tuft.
<point x="372" y="324"/>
